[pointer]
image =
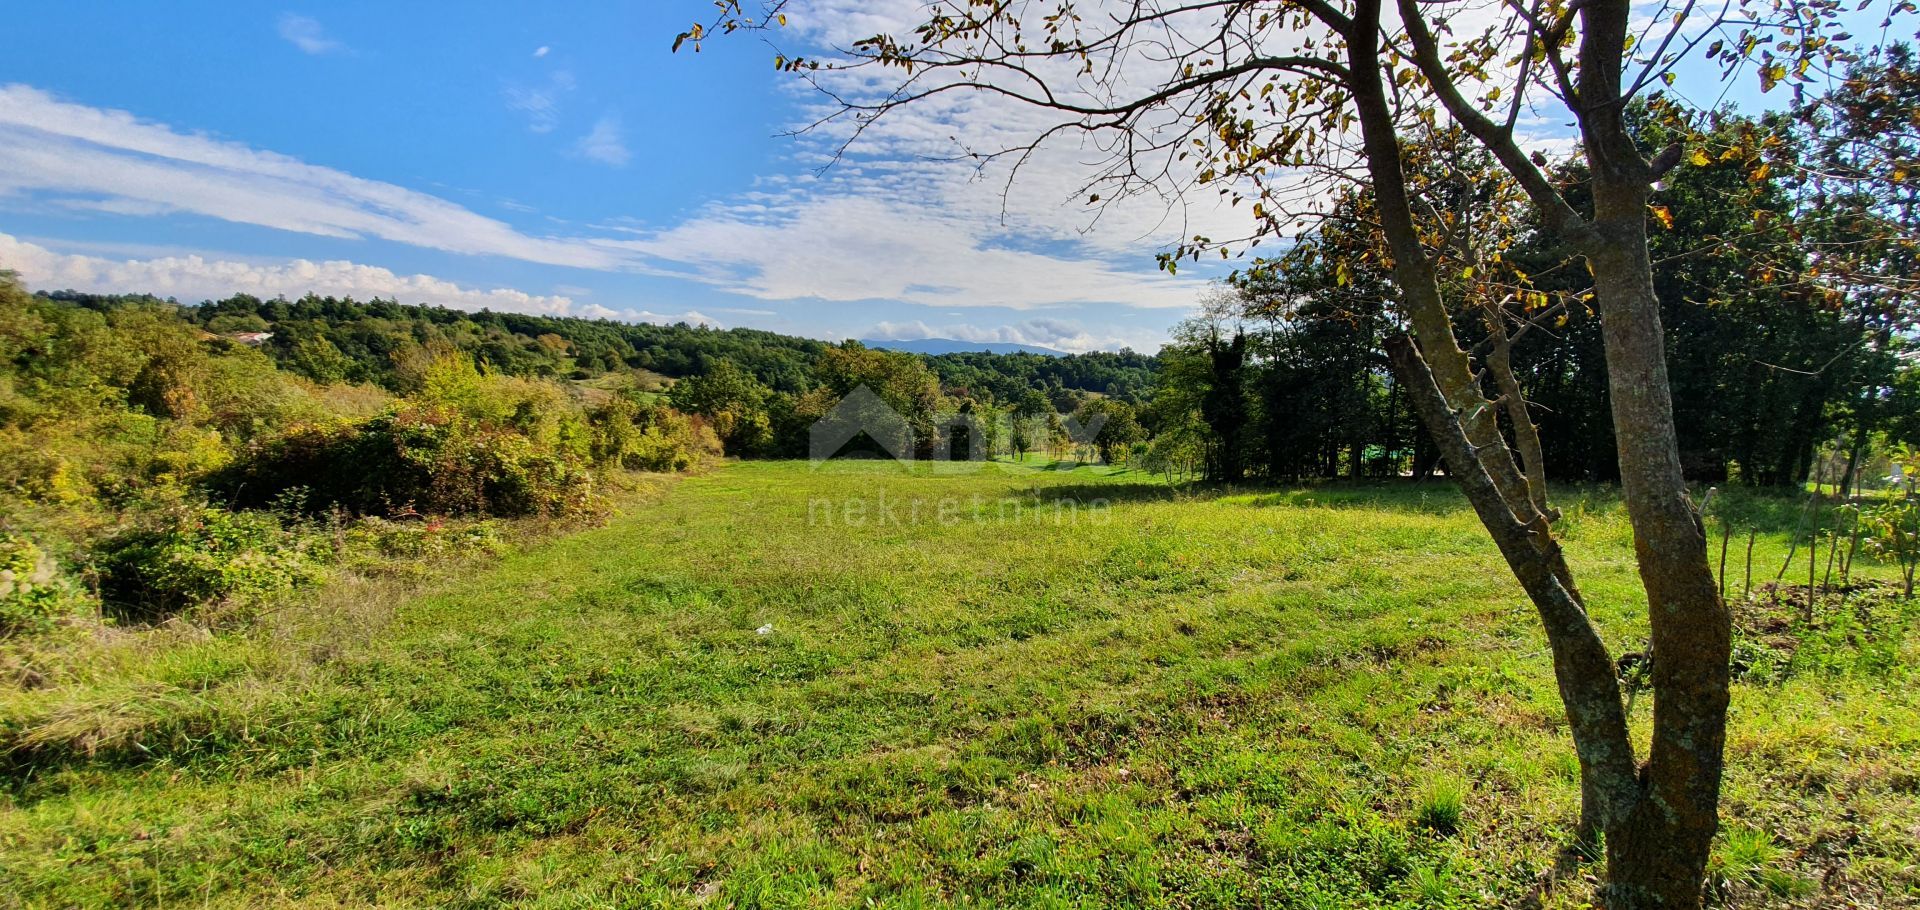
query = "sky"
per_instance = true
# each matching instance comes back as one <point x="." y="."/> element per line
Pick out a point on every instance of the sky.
<point x="553" y="158"/>
<point x="558" y="159"/>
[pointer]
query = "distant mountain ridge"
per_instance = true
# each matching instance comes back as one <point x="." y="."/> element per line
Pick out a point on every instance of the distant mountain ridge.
<point x="956" y="346"/>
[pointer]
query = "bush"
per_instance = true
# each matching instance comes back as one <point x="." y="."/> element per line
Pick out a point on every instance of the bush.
<point x="425" y="459"/>
<point x="444" y="464"/>
<point x="201" y="557"/>
<point x="32" y="592"/>
<point x="385" y="540"/>
<point x="650" y="438"/>
<point x="469" y="443"/>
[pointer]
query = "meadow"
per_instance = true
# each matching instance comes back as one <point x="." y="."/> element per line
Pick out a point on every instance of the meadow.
<point x="780" y="685"/>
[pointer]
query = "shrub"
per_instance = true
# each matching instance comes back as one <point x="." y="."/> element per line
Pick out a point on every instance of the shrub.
<point x="32" y="592"/>
<point x="420" y="539"/>
<point x="445" y="464"/>
<point x="429" y="459"/>
<point x="650" y="438"/>
<point x="200" y="557"/>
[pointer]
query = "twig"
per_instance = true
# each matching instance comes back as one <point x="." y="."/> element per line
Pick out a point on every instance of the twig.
<point x="1726" y="533"/>
<point x="1833" y="550"/>
<point x="1747" y="592"/>
<point x="1813" y="558"/>
<point x="1846" y="570"/>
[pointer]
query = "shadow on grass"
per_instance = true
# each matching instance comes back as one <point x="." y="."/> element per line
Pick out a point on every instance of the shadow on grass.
<point x="1113" y="493"/>
<point x="1797" y="513"/>
<point x="1434" y="497"/>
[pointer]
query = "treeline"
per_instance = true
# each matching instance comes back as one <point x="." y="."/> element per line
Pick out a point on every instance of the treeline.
<point x="1783" y="268"/>
<point x="1126" y="376"/>
<point x="390" y="344"/>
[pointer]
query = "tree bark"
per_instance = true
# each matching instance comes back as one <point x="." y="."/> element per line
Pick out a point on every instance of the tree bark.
<point x="1582" y="668"/>
<point x="1526" y="436"/>
<point x="1657" y="853"/>
<point x="1480" y="461"/>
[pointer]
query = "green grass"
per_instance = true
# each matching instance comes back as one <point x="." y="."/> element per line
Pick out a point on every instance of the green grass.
<point x="1005" y="688"/>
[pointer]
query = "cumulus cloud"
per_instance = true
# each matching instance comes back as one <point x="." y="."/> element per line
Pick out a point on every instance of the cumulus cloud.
<point x="604" y="143"/>
<point x="195" y="277"/>
<point x="306" y="33"/>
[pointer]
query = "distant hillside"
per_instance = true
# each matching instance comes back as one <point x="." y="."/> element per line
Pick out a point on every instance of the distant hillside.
<point x="333" y="340"/>
<point x="956" y="346"/>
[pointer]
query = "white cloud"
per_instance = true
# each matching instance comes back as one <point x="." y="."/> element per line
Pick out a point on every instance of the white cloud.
<point x="925" y="150"/>
<point x="1058" y="334"/>
<point x="195" y="277"/>
<point x="306" y="33"/>
<point x="604" y="143"/>
<point x="874" y="230"/>
<point x="541" y="51"/>
<point x="849" y="247"/>
<point x="81" y="156"/>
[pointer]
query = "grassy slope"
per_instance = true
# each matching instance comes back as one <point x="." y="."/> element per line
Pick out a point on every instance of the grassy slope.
<point x="1263" y="699"/>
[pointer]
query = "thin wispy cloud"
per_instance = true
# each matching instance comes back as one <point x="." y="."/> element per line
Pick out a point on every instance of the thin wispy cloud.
<point x="307" y="34"/>
<point x="541" y="51"/>
<point x="70" y="155"/>
<point x="604" y="143"/>
<point x="540" y="104"/>
<point x="838" y="247"/>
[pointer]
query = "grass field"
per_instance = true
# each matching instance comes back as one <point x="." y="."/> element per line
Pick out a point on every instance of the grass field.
<point x="781" y="686"/>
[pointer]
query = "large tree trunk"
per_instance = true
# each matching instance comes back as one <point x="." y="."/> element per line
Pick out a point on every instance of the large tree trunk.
<point x="1657" y="852"/>
<point x="1581" y="665"/>
<point x="1448" y="400"/>
<point x="1659" y="823"/>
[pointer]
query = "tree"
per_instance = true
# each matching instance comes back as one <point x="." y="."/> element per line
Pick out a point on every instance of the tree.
<point x="1118" y="427"/>
<point x="1262" y="100"/>
<point x="1861" y="216"/>
<point x="734" y="401"/>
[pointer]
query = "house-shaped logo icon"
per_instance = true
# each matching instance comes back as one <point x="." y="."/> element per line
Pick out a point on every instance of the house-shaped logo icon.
<point x="862" y="411"/>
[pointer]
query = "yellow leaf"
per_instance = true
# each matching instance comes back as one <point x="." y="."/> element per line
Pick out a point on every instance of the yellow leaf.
<point x="1663" y="216"/>
<point x="1699" y="158"/>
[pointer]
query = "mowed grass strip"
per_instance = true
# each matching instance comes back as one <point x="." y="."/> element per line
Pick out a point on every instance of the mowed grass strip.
<point x="1004" y="687"/>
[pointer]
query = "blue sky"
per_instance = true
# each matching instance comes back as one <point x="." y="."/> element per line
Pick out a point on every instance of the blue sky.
<point x="518" y="157"/>
<point x="555" y="158"/>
